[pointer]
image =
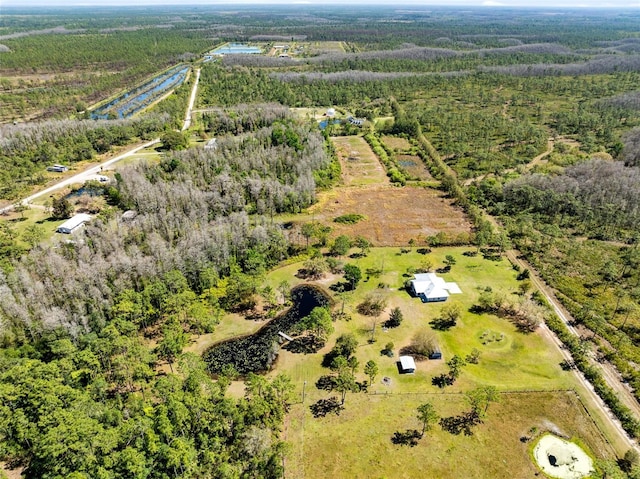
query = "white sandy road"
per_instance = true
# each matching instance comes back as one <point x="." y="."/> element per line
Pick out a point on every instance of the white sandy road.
<point x="83" y="175"/>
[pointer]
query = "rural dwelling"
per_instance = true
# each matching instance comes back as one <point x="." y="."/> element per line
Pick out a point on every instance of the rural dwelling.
<point x="73" y="223"/>
<point x="57" y="168"/>
<point x="211" y="144"/>
<point x="431" y="288"/>
<point x="407" y="365"/>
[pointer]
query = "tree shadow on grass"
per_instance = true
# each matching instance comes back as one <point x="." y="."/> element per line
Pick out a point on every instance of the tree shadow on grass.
<point x="326" y="406"/>
<point x="409" y="438"/>
<point x="441" y="324"/>
<point x="326" y="383"/>
<point x="442" y="381"/>
<point x="460" y="424"/>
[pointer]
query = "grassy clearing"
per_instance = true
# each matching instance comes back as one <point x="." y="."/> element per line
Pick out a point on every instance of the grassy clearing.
<point x="415" y="167"/>
<point x="332" y="446"/>
<point x="357" y="445"/>
<point x="524" y="367"/>
<point x="516" y="362"/>
<point x="396" y="143"/>
<point x="360" y="165"/>
<point x="19" y="222"/>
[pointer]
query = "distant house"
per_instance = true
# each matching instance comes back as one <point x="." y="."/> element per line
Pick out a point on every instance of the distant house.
<point x="129" y="215"/>
<point x="407" y="365"/>
<point x="57" y="168"/>
<point x="73" y="223"/>
<point x="211" y="144"/>
<point x="431" y="288"/>
<point x="331" y="112"/>
<point x="355" y="121"/>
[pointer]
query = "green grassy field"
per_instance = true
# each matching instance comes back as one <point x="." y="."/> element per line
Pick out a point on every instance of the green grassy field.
<point x="357" y="444"/>
<point x="524" y="367"/>
<point x="518" y="361"/>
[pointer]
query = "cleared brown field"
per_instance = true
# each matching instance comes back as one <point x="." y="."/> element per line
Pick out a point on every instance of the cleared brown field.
<point x="396" y="143"/>
<point x="393" y="215"/>
<point x="414" y="165"/>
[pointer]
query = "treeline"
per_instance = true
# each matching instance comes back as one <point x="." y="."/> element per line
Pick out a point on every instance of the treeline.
<point x="631" y="150"/>
<point x="581" y="361"/>
<point x="579" y="227"/>
<point x="599" y="198"/>
<point x="243" y="118"/>
<point x="27" y="149"/>
<point x="116" y="50"/>
<point x="62" y="414"/>
<point x="596" y="66"/>
<point x="116" y="60"/>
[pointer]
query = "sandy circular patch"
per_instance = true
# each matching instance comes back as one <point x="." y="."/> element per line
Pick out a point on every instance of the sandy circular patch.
<point x="562" y="459"/>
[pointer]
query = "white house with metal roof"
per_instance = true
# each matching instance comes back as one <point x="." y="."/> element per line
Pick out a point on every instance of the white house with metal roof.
<point x="431" y="288"/>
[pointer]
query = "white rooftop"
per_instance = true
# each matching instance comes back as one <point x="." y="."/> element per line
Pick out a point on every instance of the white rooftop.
<point x="431" y="285"/>
<point x="407" y="363"/>
<point x="73" y="222"/>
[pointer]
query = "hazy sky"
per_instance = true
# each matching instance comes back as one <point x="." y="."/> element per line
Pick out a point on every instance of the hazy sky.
<point x="487" y="3"/>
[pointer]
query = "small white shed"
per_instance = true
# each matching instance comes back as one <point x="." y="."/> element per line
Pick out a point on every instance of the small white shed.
<point x="407" y="365"/>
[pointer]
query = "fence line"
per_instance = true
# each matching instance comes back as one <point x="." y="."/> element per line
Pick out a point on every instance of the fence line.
<point x="445" y="393"/>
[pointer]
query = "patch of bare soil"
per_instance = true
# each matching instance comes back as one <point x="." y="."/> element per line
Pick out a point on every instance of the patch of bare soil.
<point x="393" y="215"/>
<point x="414" y="165"/>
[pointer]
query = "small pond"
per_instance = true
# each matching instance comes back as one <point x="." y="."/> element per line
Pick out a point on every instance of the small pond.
<point x="325" y="123"/>
<point x="257" y="352"/>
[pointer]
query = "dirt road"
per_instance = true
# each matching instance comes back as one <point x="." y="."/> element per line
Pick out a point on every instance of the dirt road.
<point x="610" y="376"/>
<point x="95" y="170"/>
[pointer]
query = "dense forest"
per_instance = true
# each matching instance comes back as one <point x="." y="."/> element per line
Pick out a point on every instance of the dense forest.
<point x="192" y="251"/>
<point x="530" y="119"/>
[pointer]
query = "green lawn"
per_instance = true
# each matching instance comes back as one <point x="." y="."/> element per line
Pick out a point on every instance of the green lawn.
<point x="519" y="361"/>
<point x="358" y="442"/>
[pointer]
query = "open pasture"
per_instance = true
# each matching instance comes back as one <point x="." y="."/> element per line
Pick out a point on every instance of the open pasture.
<point x="393" y="215"/>
<point x="357" y="444"/>
<point x="396" y="143"/>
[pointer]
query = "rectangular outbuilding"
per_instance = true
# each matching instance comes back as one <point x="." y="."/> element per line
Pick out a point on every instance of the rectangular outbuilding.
<point x="407" y="365"/>
<point x="435" y="354"/>
<point x="73" y="223"/>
